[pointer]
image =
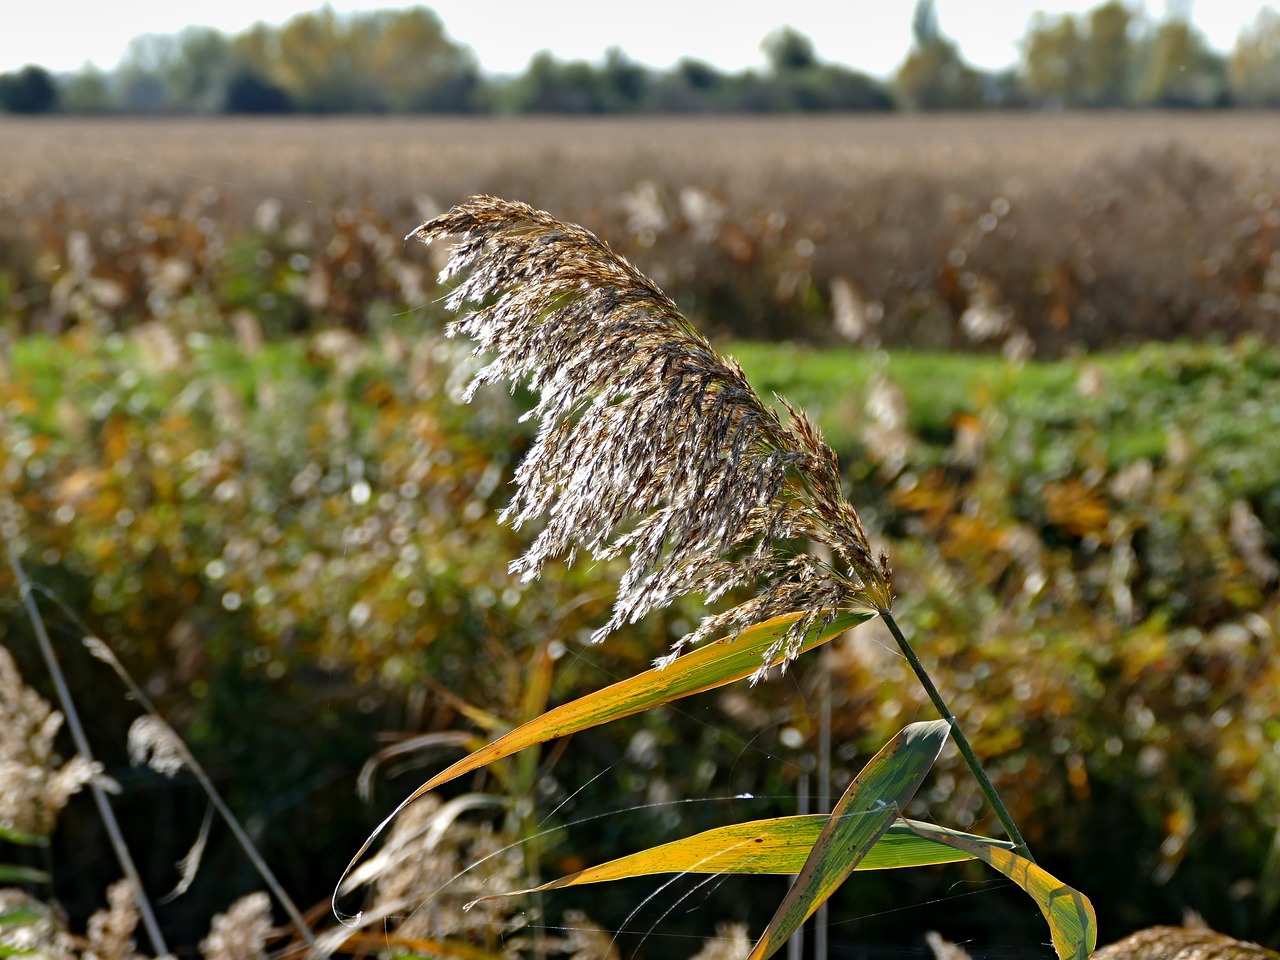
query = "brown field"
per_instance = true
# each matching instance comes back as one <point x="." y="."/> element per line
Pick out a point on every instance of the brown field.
<point x="1093" y="230"/>
<point x="458" y="156"/>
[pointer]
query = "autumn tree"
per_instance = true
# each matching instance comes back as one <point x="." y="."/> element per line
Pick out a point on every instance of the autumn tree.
<point x="934" y="76"/>
<point x="1180" y="69"/>
<point x="413" y="64"/>
<point x="1053" y="60"/>
<point x="1108" y="55"/>
<point x="1254" y="66"/>
<point x="385" y="61"/>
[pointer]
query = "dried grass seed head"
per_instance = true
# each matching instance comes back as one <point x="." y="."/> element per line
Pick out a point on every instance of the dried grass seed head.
<point x="33" y="786"/>
<point x="650" y="445"/>
<point x="153" y="743"/>
<point x="242" y="932"/>
<point x="110" y="930"/>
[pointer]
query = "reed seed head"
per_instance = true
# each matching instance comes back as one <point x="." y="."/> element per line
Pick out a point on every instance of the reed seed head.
<point x="34" y="787"/>
<point x="242" y="932"/>
<point x="110" y="931"/>
<point x="650" y="445"/>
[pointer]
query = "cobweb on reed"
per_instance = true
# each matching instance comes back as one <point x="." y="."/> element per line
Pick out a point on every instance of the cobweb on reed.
<point x="650" y="445"/>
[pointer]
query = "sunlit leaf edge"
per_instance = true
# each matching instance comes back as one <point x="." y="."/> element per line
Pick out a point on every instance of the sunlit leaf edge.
<point x="863" y="814"/>
<point x="778" y="845"/>
<point x="705" y="668"/>
<point x="1071" y="918"/>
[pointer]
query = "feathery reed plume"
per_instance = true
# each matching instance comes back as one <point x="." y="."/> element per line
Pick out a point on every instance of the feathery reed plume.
<point x="111" y="930"/>
<point x="33" y="788"/>
<point x="242" y="932"/>
<point x="650" y="444"/>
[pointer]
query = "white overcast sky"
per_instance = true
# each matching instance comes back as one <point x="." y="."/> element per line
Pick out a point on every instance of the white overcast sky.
<point x="872" y="35"/>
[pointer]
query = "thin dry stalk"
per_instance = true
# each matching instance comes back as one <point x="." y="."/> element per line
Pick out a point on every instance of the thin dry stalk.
<point x="153" y="741"/>
<point x="650" y="444"/>
<point x="109" y="822"/>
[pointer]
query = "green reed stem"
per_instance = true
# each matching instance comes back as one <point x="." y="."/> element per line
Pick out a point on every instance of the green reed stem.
<point x="961" y="741"/>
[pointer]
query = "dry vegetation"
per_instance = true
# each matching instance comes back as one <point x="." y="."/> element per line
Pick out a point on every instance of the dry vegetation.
<point x="956" y="230"/>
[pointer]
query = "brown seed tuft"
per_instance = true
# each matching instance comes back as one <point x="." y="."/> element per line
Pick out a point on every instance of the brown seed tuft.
<point x="650" y="444"/>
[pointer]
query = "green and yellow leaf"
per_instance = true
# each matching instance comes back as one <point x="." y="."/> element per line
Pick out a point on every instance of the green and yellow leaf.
<point x="861" y="817"/>
<point x="705" y="668"/>
<point x="775" y="846"/>
<point x="1072" y="922"/>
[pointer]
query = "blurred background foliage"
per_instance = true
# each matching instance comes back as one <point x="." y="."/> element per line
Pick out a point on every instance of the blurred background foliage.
<point x="403" y="61"/>
<point x="230" y="444"/>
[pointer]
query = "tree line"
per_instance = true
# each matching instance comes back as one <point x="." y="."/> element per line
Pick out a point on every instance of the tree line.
<point x="403" y="61"/>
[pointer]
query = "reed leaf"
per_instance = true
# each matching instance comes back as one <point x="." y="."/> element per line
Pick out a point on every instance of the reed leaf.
<point x="780" y="845"/>
<point x="860" y="818"/>
<point x="705" y="668"/>
<point x="1070" y="915"/>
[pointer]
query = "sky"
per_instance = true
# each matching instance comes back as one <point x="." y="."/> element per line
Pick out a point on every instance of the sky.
<point x="871" y="35"/>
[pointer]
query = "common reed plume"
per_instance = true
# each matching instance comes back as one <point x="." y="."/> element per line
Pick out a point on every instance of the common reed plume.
<point x="33" y="787"/>
<point x="650" y="444"/>
<point x="242" y="932"/>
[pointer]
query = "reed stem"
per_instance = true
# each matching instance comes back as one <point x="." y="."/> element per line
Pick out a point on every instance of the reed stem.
<point x="957" y="734"/>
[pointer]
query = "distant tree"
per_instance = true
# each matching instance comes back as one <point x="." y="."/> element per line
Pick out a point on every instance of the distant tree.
<point x="752" y="92"/>
<point x="1180" y="69"/>
<point x="1254" y="66"/>
<point x="198" y="76"/>
<point x="86" y="91"/>
<point x="626" y="83"/>
<point x="1108" y="55"/>
<point x="316" y="65"/>
<point x="934" y="76"/>
<point x="926" y="29"/>
<point x="394" y="61"/>
<point x="699" y="75"/>
<point x="799" y="81"/>
<point x="1004" y="89"/>
<point x="549" y="85"/>
<point x="29" y="90"/>
<point x="412" y="63"/>
<point x="1053" y="60"/>
<point x="839" y="88"/>
<point x="248" y="93"/>
<point x="144" y="73"/>
<point x="789" y="51"/>
<point x="691" y="87"/>
<point x="1108" y="58"/>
